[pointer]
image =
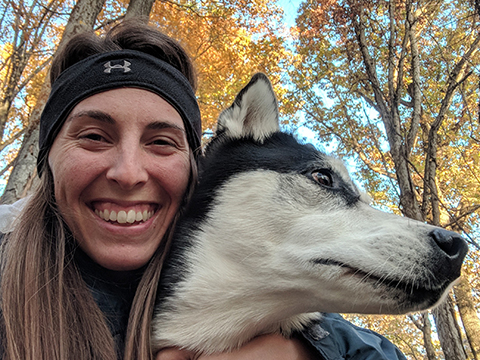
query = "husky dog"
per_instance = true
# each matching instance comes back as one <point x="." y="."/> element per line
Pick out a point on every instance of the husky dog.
<point x="277" y="232"/>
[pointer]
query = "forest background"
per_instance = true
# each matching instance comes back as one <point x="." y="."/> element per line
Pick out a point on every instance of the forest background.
<point x="391" y="86"/>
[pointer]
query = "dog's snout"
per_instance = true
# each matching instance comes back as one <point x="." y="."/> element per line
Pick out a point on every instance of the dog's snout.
<point x="452" y="245"/>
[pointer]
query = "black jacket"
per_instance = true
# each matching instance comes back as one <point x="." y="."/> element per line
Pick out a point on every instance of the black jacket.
<point x="337" y="339"/>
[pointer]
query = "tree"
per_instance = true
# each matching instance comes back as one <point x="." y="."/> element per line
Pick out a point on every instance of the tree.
<point x="228" y="40"/>
<point x="394" y="84"/>
<point x="425" y="326"/>
<point x="468" y="305"/>
<point x="83" y="16"/>
<point x="24" y="59"/>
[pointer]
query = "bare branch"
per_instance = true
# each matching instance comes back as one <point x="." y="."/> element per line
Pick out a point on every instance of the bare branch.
<point x="456" y="77"/>
<point x="7" y="167"/>
<point x="391" y="52"/>
<point x="464" y="213"/>
<point x="416" y="93"/>
<point x="370" y="102"/>
<point x="10" y="141"/>
<point x="416" y="322"/>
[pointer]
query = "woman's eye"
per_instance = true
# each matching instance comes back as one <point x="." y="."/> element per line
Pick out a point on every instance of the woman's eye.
<point x="93" y="137"/>
<point x="323" y="177"/>
<point x="163" y="142"/>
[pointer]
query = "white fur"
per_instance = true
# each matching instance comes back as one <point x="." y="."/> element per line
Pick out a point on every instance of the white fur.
<point x="267" y="275"/>
<point x="277" y="248"/>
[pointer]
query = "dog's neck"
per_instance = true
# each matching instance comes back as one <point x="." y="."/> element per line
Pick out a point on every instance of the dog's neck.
<point x="213" y="306"/>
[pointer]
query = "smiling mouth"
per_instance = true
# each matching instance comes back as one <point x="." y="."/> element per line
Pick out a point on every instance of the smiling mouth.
<point x="128" y="215"/>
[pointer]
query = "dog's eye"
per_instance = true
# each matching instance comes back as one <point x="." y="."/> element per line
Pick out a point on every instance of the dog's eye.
<point x="323" y="178"/>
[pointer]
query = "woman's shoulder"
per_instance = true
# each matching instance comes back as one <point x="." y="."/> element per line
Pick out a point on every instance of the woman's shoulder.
<point x="336" y="338"/>
<point x="9" y="213"/>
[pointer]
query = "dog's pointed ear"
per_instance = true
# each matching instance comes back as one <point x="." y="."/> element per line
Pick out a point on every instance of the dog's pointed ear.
<point x="253" y="113"/>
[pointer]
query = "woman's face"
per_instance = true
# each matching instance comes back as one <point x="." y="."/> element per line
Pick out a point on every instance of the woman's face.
<point x="121" y="166"/>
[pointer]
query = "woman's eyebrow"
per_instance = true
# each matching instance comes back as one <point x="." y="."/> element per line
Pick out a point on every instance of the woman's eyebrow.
<point x="94" y="114"/>
<point x="106" y="118"/>
<point x="159" y="125"/>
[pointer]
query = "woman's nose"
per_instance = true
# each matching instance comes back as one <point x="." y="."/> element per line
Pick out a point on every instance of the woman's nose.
<point x="127" y="168"/>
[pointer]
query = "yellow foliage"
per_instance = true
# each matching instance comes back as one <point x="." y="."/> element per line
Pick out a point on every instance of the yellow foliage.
<point x="227" y="47"/>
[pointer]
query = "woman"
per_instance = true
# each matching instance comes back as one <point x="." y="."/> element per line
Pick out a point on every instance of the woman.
<point x="119" y="137"/>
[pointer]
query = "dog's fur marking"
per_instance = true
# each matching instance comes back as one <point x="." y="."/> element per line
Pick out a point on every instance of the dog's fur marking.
<point x="264" y="245"/>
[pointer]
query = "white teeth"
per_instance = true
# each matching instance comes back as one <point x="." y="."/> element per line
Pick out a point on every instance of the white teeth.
<point x="123" y="217"/>
<point x="131" y="216"/>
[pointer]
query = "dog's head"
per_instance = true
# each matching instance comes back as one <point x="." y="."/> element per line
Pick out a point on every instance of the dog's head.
<point x="277" y="230"/>
<point x="294" y="221"/>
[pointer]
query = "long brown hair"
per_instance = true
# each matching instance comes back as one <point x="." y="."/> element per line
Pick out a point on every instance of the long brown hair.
<point x="48" y="311"/>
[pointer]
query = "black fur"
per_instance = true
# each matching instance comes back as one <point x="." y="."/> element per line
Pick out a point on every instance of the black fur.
<point x="224" y="158"/>
<point x="401" y="265"/>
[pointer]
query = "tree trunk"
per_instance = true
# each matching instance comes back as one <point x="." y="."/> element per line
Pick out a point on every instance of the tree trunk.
<point x="24" y="172"/>
<point x="468" y="314"/>
<point x="425" y="326"/>
<point x="427" y="337"/>
<point x="448" y="331"/>
<point x="390" y="117"/>
<point x="139" y="9"/>
<point x="83" y="17"/>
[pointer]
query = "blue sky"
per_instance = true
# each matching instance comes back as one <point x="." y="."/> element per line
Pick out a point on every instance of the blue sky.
<point x="290" y="8"/>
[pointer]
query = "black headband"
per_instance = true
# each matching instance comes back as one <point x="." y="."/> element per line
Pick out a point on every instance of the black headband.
<point x="106" y="71"/>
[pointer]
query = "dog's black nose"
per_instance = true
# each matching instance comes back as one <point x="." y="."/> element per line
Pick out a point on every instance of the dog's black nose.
<point x="452" y="245"/>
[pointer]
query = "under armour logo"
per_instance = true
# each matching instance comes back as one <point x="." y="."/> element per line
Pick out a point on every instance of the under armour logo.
<point x="125" y="67"/>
